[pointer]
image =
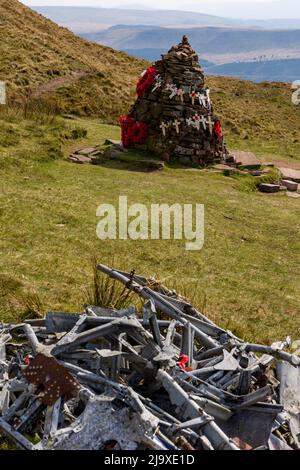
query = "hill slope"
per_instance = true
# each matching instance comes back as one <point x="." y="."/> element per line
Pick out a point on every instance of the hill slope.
<point x="35" y="51"/>
<point x="83" y="78"/>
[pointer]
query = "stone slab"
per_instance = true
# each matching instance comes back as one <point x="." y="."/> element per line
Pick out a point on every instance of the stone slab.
<point x="79" y="159"/>
<point x="290" y="174"/>
<point x="269" y="188"/>
<point x="113" y="142"/>
<point x="290" y="185"/>
<point x="246" y="159"/>
<point x="86" y="151"/>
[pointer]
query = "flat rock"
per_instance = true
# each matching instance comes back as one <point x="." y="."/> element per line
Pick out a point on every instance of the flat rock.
<point x="113" y="142"/>
<point x="222" y="167"/>
<point x="86" y="151"/>
<point x="246" y="159"/>
<point x="290" y="185"/>
<point x="290" y="174"/>
<point x="79" y="159"/>
<point x="255" y="173"/>
<point x="96" y="153"/>
<point x="269" y="188"/>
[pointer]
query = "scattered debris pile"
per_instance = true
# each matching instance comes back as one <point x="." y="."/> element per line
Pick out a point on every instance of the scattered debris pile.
<point x="167" y="379"/>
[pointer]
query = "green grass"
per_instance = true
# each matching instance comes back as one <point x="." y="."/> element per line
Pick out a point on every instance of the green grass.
<point x="246" y="276"/>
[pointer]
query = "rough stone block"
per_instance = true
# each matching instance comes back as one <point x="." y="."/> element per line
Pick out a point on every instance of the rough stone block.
<point x="290" y="185"/>
<point x="290" y="174"/>
<point x="269" y="188"/>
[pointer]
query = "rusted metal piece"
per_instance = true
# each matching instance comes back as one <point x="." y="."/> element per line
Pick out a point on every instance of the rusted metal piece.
<point x="54" y="380"/>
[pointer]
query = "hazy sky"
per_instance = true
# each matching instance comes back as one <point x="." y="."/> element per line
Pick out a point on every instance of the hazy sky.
<point x="234" y="8"/>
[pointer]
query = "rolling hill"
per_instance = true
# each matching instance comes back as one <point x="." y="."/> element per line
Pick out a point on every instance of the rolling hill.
<point x="54" y="67"/>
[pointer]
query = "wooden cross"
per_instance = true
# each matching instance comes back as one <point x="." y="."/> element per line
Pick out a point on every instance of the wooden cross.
<point x="196" y="119"/>
<point x="180" y="93"/>
<point x="203" y="120"/>
<point x="194" y="95"/>
<point x="210" y="124"/>
<point x="176" y="124"/>
<point x="163" y="127"/>
<point x="208" y="98"/>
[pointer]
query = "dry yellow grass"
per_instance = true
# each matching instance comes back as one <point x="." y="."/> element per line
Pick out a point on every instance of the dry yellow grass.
<point x="35" y="51"/>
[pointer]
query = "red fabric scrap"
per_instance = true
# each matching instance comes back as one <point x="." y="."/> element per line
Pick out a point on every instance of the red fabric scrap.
<point x="183" y="360"/>
<point x="146" y="81"/>
<point x="27" y="360"/>
<point x="217" y="130"/>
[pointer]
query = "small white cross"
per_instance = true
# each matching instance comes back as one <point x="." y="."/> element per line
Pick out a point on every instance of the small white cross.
<point x="202" y="99"/>
<point x="163" y="127"/>
<point x="190" y="122"/>
<point x="203" y="120"/>
<point x="196" y="119"/>
<point x="176" y="124"/>
<point x="173" y="89"/>
<point x="158" y="83"/>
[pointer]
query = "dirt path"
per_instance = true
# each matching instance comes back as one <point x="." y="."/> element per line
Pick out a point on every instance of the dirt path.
<point x="53" y="85"/>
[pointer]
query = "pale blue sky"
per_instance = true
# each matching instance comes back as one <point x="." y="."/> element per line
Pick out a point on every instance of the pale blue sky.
<point x="258" y="9"/>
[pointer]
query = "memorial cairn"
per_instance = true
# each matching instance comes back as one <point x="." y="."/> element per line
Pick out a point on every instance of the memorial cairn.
<point x="173" y="114"/>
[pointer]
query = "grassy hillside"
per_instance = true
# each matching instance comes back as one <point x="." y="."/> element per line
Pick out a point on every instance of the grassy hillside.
<point x="258" y="117"/>
<point x="245" y="278"/>
<point x="65" y="73"/>
<point x="84" y="78"/>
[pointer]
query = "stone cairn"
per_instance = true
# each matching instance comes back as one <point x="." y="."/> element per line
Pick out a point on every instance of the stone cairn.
<point x="173" y="115"/>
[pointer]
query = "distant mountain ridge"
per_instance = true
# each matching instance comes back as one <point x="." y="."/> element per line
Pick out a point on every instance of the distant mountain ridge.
<point x="216" y="44"/>
<point x="250" y="54"/>
<point x="88" y="19"/>
<point x="257" y="71"/>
